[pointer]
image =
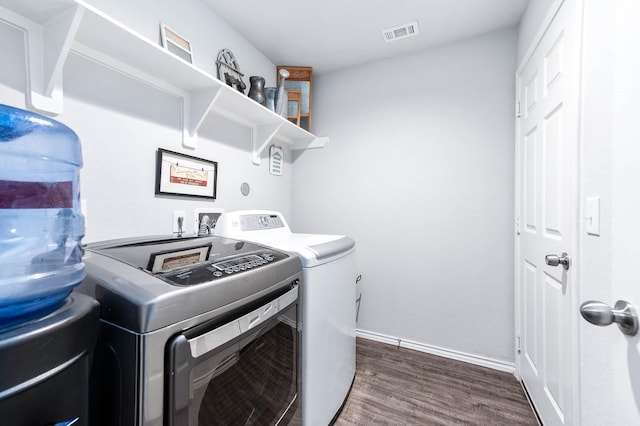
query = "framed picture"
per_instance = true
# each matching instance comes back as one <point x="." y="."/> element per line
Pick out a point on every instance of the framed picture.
<point x="205" y="220"/>
<point x="175" y="43"/>
<point x="168" y="260"/>
<point x="180" y="174"/>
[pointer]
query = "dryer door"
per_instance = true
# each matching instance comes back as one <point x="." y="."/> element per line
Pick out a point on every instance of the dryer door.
<point x="243" y="370"/>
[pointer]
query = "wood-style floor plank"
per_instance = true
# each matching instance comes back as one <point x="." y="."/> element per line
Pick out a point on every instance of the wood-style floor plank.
<point x="398" y="386"/>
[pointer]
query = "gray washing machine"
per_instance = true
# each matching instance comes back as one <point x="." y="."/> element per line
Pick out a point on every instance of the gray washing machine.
<point x="194" y="331"/>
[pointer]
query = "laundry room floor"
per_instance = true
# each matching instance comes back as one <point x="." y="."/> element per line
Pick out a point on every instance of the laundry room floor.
<point x="398" y="386"/>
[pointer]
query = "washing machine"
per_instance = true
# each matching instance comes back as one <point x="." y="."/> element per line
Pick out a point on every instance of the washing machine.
<point x="194" y="331"/>
<point x="328" y="305"/>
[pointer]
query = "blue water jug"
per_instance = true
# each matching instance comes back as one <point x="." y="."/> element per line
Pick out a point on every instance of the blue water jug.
<point x="40" y="221"/>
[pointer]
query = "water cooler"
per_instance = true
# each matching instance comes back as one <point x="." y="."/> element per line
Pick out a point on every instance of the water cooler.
<point x="47" y="333"/>
<point x="46" y="364"/>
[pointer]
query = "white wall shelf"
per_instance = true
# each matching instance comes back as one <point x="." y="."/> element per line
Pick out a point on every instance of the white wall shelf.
<point x="56" y="27"/>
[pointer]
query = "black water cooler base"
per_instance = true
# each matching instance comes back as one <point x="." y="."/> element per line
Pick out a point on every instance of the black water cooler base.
<point x="45" y="366"/>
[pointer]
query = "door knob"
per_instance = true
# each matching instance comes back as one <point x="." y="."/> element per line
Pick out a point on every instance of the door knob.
<point x="555" y="260"/>
<point x="623" y="314"/>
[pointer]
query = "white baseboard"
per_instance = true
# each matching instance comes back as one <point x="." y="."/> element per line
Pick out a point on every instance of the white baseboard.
<point x="482" y="361"/>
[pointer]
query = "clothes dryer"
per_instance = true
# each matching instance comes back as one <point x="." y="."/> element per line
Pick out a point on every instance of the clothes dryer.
<point x="328" y="305"/>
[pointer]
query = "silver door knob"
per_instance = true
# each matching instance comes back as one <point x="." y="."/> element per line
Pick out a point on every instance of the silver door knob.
<point x="555" y="260"/>
<point x="623" y="314"/>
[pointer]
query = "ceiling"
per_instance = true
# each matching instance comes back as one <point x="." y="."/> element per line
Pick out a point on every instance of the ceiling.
<point x="332" y="34"/>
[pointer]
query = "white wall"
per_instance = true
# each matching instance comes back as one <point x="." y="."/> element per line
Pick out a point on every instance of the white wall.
<point x="420" y="171"/>
<point x="609" y="361"/>
<point x="530" y="24"/>
<point x="122" y="122"/>
<point x="596" y="265"/>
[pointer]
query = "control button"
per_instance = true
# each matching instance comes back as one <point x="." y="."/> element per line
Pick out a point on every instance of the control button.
<point x="228" y="270"/>
<point x="217" y="273"/>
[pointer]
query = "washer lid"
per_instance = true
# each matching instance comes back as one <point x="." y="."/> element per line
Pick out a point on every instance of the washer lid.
<point x="315" y="249"/>
<point x="120" y="275"/>
<point x="271" y="229"/>
<point x="162" y="253"/>
<point x="329" y="251"/>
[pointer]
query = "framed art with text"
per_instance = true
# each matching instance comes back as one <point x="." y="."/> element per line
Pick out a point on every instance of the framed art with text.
<point x="181" y="174"/>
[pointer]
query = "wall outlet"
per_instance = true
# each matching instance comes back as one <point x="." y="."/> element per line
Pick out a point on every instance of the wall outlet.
<point x="179" y="223"/>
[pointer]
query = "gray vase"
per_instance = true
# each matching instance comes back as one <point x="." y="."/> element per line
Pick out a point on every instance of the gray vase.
<point x="256" y="92"/>
<point x="270" y="93"/>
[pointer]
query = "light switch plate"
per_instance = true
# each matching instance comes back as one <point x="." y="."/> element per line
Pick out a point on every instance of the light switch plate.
<point x="592" y="216"/>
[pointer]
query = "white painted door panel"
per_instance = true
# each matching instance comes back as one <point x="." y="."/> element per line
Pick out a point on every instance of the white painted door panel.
<point x="547" y="153"/>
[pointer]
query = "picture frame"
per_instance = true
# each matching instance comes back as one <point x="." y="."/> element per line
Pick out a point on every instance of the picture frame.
<point x="185" y="175"/>
<point x="175" y="43"/>
<point x="168" y="260"/>
<point x="205" y="220"/>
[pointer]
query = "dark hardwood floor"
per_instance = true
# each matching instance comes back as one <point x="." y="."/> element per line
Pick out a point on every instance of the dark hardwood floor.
<point x="397" y="386"/>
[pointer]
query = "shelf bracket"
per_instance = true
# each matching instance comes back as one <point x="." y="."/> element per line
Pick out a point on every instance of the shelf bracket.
<point x="310" y="143"/>
<point x="261" y="137"/>
<point x="195" y="107"/>
<point x="48" y="46"/>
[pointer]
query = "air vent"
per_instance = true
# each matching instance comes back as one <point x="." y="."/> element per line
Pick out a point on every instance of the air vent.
<point x="401" y="31"/>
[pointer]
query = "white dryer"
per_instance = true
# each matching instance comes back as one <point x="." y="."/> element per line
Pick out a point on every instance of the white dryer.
<point x="328" y="295"/>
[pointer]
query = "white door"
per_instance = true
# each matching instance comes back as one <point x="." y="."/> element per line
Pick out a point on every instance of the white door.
<point x="611" y="359"/>
<point x="546" y="211"/>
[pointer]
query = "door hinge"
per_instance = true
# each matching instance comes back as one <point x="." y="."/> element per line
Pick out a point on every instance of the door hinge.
<point x="518" y="348"/>
<point x="518" y="109"/>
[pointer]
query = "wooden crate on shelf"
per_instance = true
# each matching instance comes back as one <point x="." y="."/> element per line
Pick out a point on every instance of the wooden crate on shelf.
<point x="293" y="110"/>
<point x="300" y="79"/>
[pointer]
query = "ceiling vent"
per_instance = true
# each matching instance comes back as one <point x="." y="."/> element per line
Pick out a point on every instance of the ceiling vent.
<point x="401" y="31"/>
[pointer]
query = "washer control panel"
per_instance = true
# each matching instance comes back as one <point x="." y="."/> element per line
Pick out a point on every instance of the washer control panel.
<point x="211" y="271"/>
<point x="256" y="222"/>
